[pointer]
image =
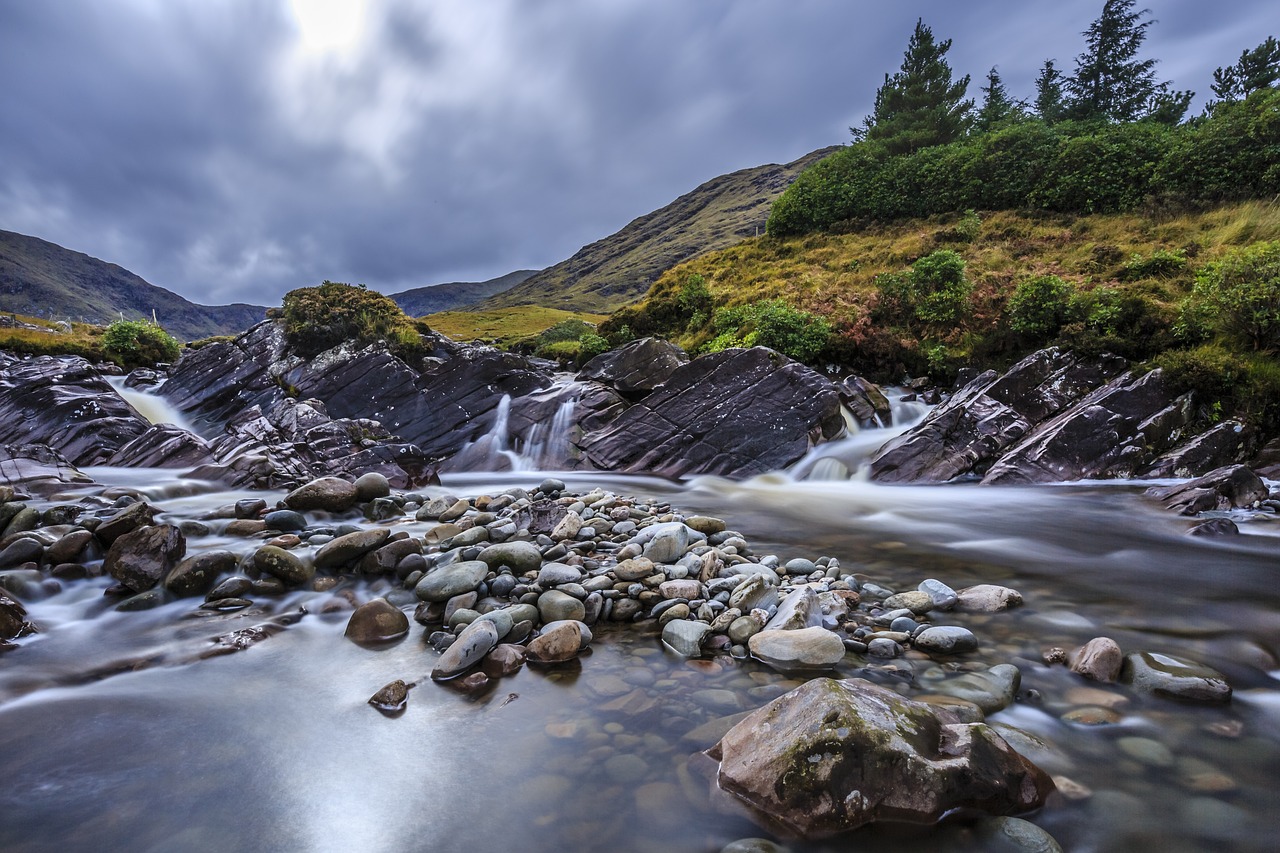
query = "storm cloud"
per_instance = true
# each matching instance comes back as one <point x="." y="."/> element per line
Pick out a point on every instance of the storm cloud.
<point x="231" y="150"/>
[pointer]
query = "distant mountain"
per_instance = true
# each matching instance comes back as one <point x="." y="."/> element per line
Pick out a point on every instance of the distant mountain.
<point x="456" y="294"/>
<point x="619" y="269"/>
<point x="43" y="279"/>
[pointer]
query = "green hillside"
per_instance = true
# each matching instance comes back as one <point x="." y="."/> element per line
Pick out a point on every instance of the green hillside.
<point x="618" y="269"/>
<point x="43" y="279"/>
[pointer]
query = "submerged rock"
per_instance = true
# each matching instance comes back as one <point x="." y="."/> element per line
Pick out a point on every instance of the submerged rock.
<point x="831" y="756"/>
<point x="375" y="623"/>
<point x="1175" y="678"/>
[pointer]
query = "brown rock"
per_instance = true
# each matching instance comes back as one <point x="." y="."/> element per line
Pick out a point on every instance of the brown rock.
<point x="140" y="558"/>
<point x="559" y="644"/>
<point x="378" y="621"/>
<point x="505" y="659"/>
<point x="1099" y="659"/>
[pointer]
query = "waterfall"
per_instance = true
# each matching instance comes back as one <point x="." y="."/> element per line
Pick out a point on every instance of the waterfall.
<point x="846" y="458"/>
<point x="548" y="445"/>
<point x="154" y="408"/>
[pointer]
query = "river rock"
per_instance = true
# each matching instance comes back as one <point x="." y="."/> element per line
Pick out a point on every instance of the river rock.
<point x="195" y="574"/>
<point x="987" y="598"/>
<point x="554" y="574"/>
<point x="38" y="469"/>
<point x="831" y="756"/>
<point x="684" y="637"/>
<point x="686" y="588"/>
<point x="635" y="369"/>
<point x="329" y="494"/>
<point x="282" y="564"/>
<point x="475" y="641"/>
<point x="554" y="606"/>
<point x="349" y="548"/>
<point x="392" y="698"/>
<point x="1099" y="659"/>
<point x="13" y="619"/>
<point x="135" y="515"/>
<point x="444" y="582"/>
<point x="736" y="413"/>
<point x="561" y="643"/>
<point x="943" y="596"/>
<point x="20" y="551"/>
<point x="372" y="485"/>
<point x="917" y="601"/>
<point x="505" y="659"/>
<point x="992" y="690"/>
<point x="1175" y="678"/>
<point x="634" y="569"/>
<point x="945" y="640"/>
<point x="140" y="558"/>
<point x="801" y="648"/>
<point x="376" y="622"/>
<point x="1224" y="488"/>
<point x="518" y="556"/>
<point x="800" y="609"/>
<point x="757" y="591"/>
<point x="1018" y="836"/>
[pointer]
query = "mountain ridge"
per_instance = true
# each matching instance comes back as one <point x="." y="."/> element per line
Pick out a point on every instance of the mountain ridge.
<point x="449" y="296"/>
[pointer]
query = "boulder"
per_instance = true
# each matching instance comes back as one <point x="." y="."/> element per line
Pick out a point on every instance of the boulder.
<point x="866" y="401"/>
<point x="1227" y="443"/>
<point x="163" y="446"/>
<point x="141" y="557"/>
<point x="737" y="413"/>
<point x="329" y="494"/>
<point x="802" y="648"/>
<point x="831" y="756"/>
<point x="1224" y="488"/>
<point x="133" y="516"/>
<point x="635" y="369"/>
<point x="38" y="469"/>
<point x="376" y="622"/>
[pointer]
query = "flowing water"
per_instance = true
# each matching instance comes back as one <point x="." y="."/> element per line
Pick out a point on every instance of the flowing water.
<point x="115" y="735"/>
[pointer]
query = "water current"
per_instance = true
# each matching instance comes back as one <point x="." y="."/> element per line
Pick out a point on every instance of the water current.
<point x="114" y="736"/>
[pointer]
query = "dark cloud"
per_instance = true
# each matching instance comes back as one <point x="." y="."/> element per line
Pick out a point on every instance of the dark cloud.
<point x="216" y="148"/>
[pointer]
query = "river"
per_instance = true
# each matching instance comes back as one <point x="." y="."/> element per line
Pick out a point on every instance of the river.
<point x="112" y="739"/>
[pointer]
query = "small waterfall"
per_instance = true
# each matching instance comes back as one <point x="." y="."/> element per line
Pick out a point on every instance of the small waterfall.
<point x="547" y="445"/>
<point x="153" y="407"/>
<point x="491" y="451"/>
<point x="846" y="458"/>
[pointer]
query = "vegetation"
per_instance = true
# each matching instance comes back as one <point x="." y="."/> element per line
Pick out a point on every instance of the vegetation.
<point x="1238" y="300"/>
<point x="503" y="327"/>
<point x="45" y="338"/>
<point x="139" y="343"/>
<point x="320" y="318"/>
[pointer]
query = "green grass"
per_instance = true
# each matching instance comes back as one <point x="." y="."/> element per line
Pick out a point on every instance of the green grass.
<point x="84" y="339"/>
<point x="503" y="326"/>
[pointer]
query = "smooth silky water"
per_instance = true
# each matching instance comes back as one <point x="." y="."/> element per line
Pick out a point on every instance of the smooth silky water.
<point x="115" y="735"/>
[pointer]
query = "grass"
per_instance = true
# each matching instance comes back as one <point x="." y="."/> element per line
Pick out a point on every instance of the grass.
<point x="503" y="326"/>
<point x="84" y="339"/>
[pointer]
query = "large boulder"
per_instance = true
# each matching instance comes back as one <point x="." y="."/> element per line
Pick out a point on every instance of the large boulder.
<point x="1225" y="488"/>
<point x="163" y="446"/>
<point x="37" y="468"/>
<point x="737" y="413"/>
<point x="636" y="369"/>
<point x="831" y="756"/>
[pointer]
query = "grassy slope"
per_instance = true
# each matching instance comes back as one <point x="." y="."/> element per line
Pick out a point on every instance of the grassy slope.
<point x="44" y="279"/>
<point x="619" y="269"/>
<point x="454" y="295"/>
<point x="502" y="326"/>
<point x="834" y="274"/>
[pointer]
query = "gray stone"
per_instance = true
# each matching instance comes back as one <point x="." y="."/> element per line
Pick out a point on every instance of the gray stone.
<point x="282" y="564"/>
<point x="991" y="690"/>
<point x="285" y="520"/>
<point x="475" y="641"/>
<point x="329" y="494"/>
<point x="554" y="605"/>
<point x="351" y="547"/>
<point x="1099" y="659"/>
<point x="1175" y="678"/>
<point x="444" y="582"/>
<point x="757" y="591"/>
<point x="917" y="601"/>
<point x="553" y="574"/>
<point x="520" y="557"/>
<point x="665" y="543"/>
<point x="987" y="598"/>
<point x="943" y="596"/>
<point x="1016" y="834"/>
<point x="371" y="486"/>
<point x="684" y="636"/>
<point x="945" y="640"/>
<point x="800" y="609"/>
<point x="801" y="648"/>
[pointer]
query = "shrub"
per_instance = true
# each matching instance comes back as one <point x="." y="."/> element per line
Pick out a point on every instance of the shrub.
<point x="1040" y="307"/>
<point x="1244" y="384"/>
<point x="320" y="318"/>
<point x="770" y="323"/>
<point x="1159" y="264"/>
<point x="1239" y="297"/>
<point x="569" y="341"/>
<point x="139" y="343"/>
<point x="939" y="289"/>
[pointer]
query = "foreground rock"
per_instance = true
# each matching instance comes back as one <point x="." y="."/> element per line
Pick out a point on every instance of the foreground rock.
<point x="736" y="413"/>
<point x="831" y="756"/>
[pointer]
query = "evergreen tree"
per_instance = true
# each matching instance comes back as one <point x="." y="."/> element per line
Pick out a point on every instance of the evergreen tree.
<point x="997" y="106"/>
<point x="920" y="105"/>
<point x="1049" y="97"/>
<point x="1256" y="69"/>
<point x="1111" y="83"/>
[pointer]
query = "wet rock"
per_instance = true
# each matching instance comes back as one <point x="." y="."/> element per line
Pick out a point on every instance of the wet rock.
<point x="684" y="637"/>
<point x="755" y="592"/>
<point x="351" y="547"/>
<point x="800" y="609"/>
<point x="518" y="556"/>
<point x="1224" y="488"/>
<point x="230" y="588"/>
<point x="13" y="619"/>
<point x="285" y="520"/>
<point x="283" y="564"/>
<point x="503" y="660"/>
<point x="831" y="756"/>
<point x="1098" y="660"/>
<point x="1214" y="528"/>
<point x="556" y="645"/>
<point x="987" y="598"/>
<point x="163" y="446"/>
<point x="140" y="558"/>
<point x="391" y="699"/>
<point x="76" y="547"/>
<point x="133" y="516"/>
<point x="37" y="468"/>
<point x="1224" y="444"/>
<point x="1018" y="836"/>
<point x="554" y="574"/>
<point x="1175" y="678"/>
<point x="917" y="601"/>
<point x="634" y="569"/>
<point x="195" y="574"/>
<point x="475" y="641"/>
<point x="371" y="486"/>
<point x="736" y="413"/>
<point x="743" y="629"/>
<point x="329" y="494"/>
<point x="376" y="622"/>
<point x="803" y="648"/>
<point x="444" y="582"/>
<point x="635" y="369"/>
<point x="945" y="640"/>
<point x="555" y="606"/>
<point x="992" y="690"/>
<point x="20" y="551"/>
<point x="866" y="401"/>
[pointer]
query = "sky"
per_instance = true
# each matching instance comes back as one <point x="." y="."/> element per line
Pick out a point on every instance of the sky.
<point x="232" y="150"/>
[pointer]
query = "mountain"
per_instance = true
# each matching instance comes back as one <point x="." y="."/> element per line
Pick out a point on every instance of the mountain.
<point x="619" y="269"/>
<point x="455" y="294"/>
<point x="43" y="279"/>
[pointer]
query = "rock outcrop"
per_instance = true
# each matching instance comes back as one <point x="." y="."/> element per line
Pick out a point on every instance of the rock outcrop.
<point x="636" y="369"/>
<point x="736" y="413"/>
<point x="831" y="756"/>
<point x="1229" y="487"/>
<point x="1055" y="417"/>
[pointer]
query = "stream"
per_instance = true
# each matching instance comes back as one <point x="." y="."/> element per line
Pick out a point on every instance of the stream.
<point x="110" y="738"/>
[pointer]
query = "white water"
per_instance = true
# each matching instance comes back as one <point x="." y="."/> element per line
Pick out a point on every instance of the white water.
<point x="847" y="458"/>
<point x="156" y="409"/>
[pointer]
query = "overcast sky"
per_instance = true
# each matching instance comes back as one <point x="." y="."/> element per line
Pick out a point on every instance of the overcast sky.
<point x="231" y="150"/>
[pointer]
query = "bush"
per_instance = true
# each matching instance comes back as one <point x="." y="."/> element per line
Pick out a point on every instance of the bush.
<point x="569" y="341"/>
<point x="1159" y="264"/>
<point x="139" y="343"/>
<point x="770" y="323"/>
<point x="1040" y="307"/>
<point x="1239" y="298"/>
<point x="1243" y="384"/>
<point x="935" y="291"/>
<point x="320" y="318"/>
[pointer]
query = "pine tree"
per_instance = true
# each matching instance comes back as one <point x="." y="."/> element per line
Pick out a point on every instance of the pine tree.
<point x="1111" y="83"/>
<point x="1256" y="69"/>
<point x="997" y="106"/>
<point x="1049" y="98"/>
<point x="920" y="105"/>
